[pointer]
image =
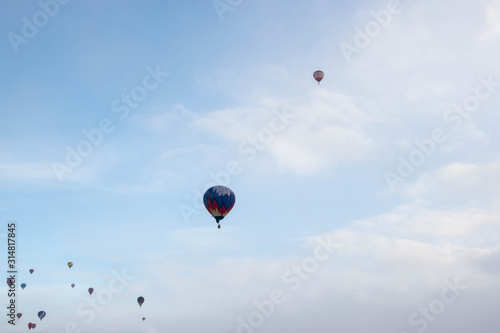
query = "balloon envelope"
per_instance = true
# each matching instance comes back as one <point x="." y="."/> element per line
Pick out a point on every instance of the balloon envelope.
<point x="33" y="325"/>
<point x="32" y="270"/>
<point x="140" y="300"/>
<point x="19" y="315"/>
<point x="23" y="285"/>
<point x="143" y="318"/>
<point x="41" y="314"/>
<point x="219" y="200"/>
<point x="70" y="264"/>
<point x="318" y="76"/>
<point x="72" y="285"/>
<point x="91" y="290"/>
<point x="11" y="282"/>
<point x="30" y="325"/>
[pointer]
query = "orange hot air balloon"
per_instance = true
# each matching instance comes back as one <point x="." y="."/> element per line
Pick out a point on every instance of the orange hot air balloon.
<point x="70" y="264"/>
<point x="318" y="76"/>
<point x="91" y="290"/>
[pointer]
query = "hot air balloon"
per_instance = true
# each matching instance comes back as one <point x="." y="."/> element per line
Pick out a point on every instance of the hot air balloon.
<point x="19" y="315"/>
<point x="318" y="76"/>
<point x="23" y="285"/>
<point x="91" y="290"/>
<point x="140" y="300"/>
<point x="31" y="271"/>
<point x="72" y="285"/>
<point x="41" y="314"/>
<point x="219" y="200"/>
<point x="30" y="325"/>
<point x="11" y="282"/>
<point x="70" y="264"/>
<point x="33" y="325"/>
<point x="143" y="318"/>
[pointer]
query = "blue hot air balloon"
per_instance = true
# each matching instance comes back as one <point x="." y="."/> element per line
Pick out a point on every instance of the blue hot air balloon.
<point x="41" y="314"/>
<point x="219" y="200"/>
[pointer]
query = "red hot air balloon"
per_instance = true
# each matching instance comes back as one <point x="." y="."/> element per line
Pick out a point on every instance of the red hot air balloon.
<point x="91" y="290"/>
<point x="318" y="76"/>
<point x="30" y="325"/>
<point x="140" y="300"/>
<point x="19" y="315"/>
<point x="219" y="200"/>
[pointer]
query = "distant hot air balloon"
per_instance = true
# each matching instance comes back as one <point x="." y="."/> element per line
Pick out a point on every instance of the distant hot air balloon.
<point x="143" y="318"/>
<point x="91" y="290"/>
<point x="30" y="325"/>
<point x="33" y="325"/>
<point x="19" y="315"/>
<point x="41" y="314"/>
<point x="23" y="285"/>
<point x="11" y="282"/>
<point x="32" y="270"/>
<point x="219" y="200"/>
<point x="70" y="264"/>
<point x="318" y="76"/>
<point x="140" y="300"/>
<point x="72" y="285"/>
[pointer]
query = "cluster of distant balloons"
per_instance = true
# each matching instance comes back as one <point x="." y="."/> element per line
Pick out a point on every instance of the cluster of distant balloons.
<point x="42" y="314"/>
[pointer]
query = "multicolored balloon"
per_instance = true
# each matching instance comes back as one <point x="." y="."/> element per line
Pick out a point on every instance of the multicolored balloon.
<point x="219" y="200"/>
<point x="41" y="314"/>
<point x="31" y="271"/>
<point x="318" y="76"/>
<point x="33" y="325"/>
<point x="19" y="315"/>
<point x="23" y="285"/>
<point x="140" y="300"/>
<point x="72" y="285"/>
<point x="91" y="290"/>
<point x="70" y="264"/>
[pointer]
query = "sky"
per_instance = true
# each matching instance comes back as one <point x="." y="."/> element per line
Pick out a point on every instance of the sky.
<point x="368" y="203"/>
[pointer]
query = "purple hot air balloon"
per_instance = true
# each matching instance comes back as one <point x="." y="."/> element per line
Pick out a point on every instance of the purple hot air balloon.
<point x="31" y="271"/>
<point x="41" y="314"/>
<point x="19" y="315"/>
<point x="11" y="282"/>
<point x="72" y="285"/>
<point x="91" y="290"/>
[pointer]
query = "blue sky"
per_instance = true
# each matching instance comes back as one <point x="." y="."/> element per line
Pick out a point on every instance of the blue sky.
<point x="393" y="158"/>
